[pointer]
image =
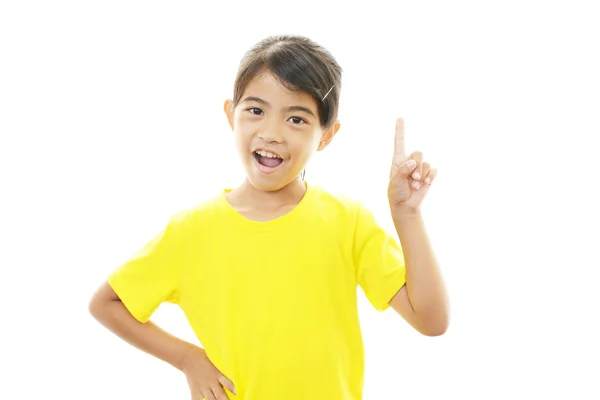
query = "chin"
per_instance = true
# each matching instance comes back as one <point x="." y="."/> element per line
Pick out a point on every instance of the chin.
<point x="267" y="185"/>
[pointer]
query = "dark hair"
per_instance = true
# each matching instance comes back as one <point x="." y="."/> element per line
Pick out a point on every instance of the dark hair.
<point x="301" y="65"/>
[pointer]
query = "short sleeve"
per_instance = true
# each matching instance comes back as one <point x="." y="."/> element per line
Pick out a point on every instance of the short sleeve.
<point x="378" y="260"/>
<point x="152" y="275"/>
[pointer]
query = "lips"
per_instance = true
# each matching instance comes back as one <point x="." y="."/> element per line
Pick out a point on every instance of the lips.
<point x="266" y="152"/>
<point x="267" y="165"/>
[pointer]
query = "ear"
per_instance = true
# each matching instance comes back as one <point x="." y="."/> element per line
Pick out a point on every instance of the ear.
<point x="228" y="109"/>
<point x="328" y="135"/>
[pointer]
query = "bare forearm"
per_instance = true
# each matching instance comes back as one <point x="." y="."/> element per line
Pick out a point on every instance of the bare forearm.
<point x="424" y="281"/>
<point x="147" y="337"/>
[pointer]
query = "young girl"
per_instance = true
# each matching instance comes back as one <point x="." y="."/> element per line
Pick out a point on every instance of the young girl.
<point x="267" y="273"/>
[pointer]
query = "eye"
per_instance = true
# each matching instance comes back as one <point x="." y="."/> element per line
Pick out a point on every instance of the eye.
<point x="297" y="120"/>
<point x="255" y="111"/>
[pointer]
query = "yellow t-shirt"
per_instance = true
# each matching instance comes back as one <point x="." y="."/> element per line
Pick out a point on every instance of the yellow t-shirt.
<point x="274" y="304"/>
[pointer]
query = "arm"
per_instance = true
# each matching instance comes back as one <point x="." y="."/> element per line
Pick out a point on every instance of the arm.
<point x="106" y="307"/>
<point x="422" y="301"/>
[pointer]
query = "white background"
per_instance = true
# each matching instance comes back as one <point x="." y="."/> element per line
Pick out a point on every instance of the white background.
<point x="111" y="120"/>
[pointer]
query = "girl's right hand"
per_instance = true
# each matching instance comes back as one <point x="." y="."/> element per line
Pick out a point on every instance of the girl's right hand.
<point x="204" y="379"/>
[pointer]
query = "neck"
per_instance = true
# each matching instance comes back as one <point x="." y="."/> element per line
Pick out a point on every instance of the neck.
<point x="292" y="193"/>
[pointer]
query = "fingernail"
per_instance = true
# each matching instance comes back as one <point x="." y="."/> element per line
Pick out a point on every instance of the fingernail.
<point x="412" y="163"/>
<point x="428" y="180"/>
<point x="416" y="185"/>
<point x="417" y="175"/>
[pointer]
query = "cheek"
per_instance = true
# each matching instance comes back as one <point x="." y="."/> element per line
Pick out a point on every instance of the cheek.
<point x="242" y="138"/>
<point x="247" y="123"/>
<point x="302" y="147"/>
<point x="244" y="129"/>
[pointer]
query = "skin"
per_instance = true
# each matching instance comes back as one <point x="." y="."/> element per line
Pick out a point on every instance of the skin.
<point x="204" y="379"/>
<point x="286" y="122"/>
<point x="271" y="117"/>
<point x="268" y="117"/>
<point x="423" y="300"/>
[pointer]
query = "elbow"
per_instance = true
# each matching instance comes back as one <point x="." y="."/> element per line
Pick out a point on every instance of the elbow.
<point x="434" y="331"/>
<point x="437" y="320"/>
<point x="93" y="307"/>
<point x="97" y="306"/>
<point x="435" y="326"/>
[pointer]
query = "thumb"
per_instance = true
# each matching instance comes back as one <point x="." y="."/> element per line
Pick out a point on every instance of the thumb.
<point x="227" y="383"/>
<point x="405" y="169"/>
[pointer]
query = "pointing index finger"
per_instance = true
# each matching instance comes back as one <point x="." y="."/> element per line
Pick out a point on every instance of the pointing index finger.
<point x="399" y="140"/>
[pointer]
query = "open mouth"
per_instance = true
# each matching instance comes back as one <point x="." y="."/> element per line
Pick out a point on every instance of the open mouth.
<point x="267" y="161"/>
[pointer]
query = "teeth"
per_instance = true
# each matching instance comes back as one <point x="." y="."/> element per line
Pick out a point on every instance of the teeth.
<point x="267" y="154"/>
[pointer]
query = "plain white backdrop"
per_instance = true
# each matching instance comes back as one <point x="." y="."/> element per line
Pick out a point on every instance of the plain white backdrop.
<point x="111" y="120"/>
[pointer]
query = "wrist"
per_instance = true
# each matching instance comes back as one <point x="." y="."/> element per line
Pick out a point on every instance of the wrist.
<point x="187" y="356"/>
<point x="403" y="213"/>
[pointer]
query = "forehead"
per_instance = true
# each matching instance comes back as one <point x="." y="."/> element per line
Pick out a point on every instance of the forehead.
<point x="269" y="88"/>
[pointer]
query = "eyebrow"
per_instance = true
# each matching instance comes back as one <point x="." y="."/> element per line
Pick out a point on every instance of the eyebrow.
<point x="291" y="108"/>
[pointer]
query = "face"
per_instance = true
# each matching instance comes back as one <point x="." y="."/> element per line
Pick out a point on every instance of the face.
<point x="277" y="131"/>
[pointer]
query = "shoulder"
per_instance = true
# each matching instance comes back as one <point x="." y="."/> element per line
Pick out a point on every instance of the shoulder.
<point x="348" y="210"/>
<point x="339" y="204"/>
<point x="337" y="199"/>
<point x="197" y="214"/>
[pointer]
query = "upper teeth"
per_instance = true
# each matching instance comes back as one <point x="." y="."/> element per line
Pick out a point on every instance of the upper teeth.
<point x="267" y="154"/>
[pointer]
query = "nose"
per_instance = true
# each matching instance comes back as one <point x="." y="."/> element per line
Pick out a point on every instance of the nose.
<point x="271" y="132"/>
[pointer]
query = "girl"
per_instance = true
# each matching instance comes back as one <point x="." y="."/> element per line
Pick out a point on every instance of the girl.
<point x="267" y="273"/>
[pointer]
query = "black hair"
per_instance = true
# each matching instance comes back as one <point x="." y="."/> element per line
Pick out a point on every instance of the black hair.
<point x="300" y="64"/>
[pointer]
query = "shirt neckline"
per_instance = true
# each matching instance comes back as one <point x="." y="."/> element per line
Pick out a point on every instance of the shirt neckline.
<point x="287" y="217"/>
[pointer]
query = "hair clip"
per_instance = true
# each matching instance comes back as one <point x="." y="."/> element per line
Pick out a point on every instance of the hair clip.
<point x="326" y="94"/>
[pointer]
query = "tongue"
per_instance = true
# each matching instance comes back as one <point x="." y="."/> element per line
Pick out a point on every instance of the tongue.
<point x="269" y="162"/>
